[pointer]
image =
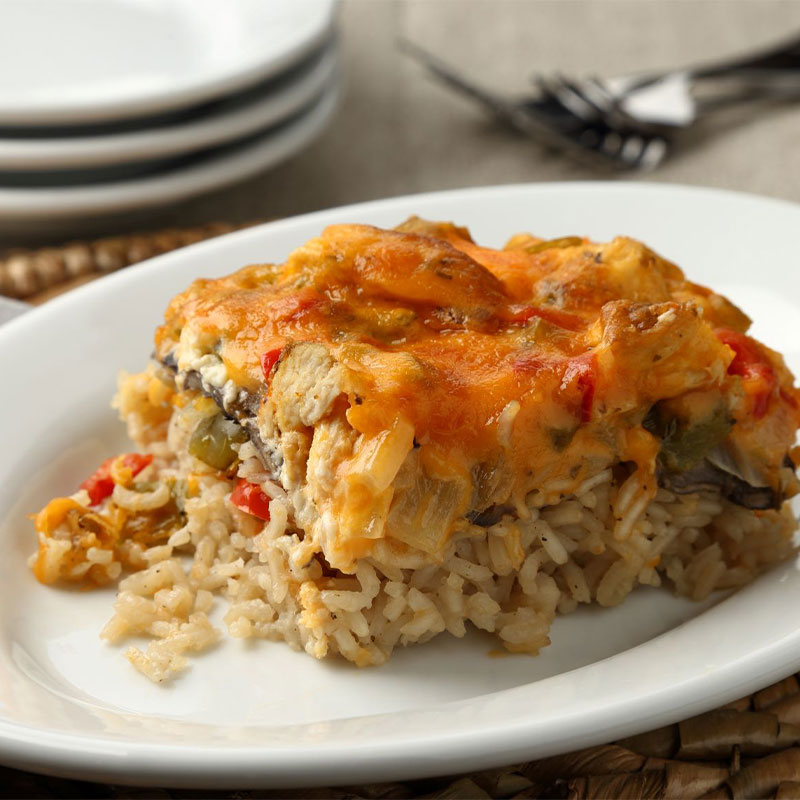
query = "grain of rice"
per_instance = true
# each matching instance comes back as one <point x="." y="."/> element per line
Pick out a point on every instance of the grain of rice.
<point x="590" y="483"/>
<point x="99" y="556"/>
<point x="633" y="511"/>
<point x="615" y="584"/>
<point x="576" y="582"/>
<point x="477" y="573"/>
<point x="551" y="542"/>
<point x="567" y="512"/>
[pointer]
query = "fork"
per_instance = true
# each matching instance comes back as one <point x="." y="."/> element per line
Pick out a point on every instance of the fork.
<point x="546" y="119"/>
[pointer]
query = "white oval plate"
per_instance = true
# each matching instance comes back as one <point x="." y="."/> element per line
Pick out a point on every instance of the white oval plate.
<point x="277" y="101"/>
<point x="48" y="204"/>
<point x="77" y="61"/>
<point x="259" y="714"/>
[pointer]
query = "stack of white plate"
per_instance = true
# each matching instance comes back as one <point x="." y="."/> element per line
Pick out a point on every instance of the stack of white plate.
<point x="117" y="105"/>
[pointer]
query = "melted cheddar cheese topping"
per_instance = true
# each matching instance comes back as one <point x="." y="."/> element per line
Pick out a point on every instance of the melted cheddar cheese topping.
<point x="506" y="367"/>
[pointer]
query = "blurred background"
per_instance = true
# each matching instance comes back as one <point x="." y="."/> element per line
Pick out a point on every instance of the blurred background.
<point x="378" y="123"/>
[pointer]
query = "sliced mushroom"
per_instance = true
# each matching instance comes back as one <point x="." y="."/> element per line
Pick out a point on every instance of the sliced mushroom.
<point x="489" y="516"/>
<point x="242" y="410"/>
<point x="718" y="470"/>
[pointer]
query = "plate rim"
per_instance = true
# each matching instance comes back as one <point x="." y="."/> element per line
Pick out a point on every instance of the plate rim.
<point x="193" y="93"/>
<point x="193" y="766"/>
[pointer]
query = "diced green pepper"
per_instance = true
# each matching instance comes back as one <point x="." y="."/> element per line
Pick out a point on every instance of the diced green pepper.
<point x="213" y="439"/>
<point x="561" y="437"/>
<point x="564" y="241"/>
<point x="682" y="445"/>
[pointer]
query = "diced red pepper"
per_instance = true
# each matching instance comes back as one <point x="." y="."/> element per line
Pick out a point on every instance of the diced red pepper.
<point x="291" y="307"/>
<point x="561" y="319"/>
<point x="100" y="485"/>
<point x="249" y="498"/>
<point x="752" y="365"/>
<point x="582" y="371"/>
<point x="269" y="359"/>
<point x="527" y="363"/>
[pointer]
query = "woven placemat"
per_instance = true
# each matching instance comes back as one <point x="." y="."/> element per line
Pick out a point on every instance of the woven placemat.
<point x="38" y="275"/>
<point x="747" y="749"/>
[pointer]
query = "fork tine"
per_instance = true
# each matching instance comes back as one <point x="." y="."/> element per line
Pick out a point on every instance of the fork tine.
<point x="641" y="152"/>
<point x="556" y="88"/>
<point x="614" y="114"/>
<point x="655" y="152"/>
<point x="578" y="98"/>
<point x="593" y="92"/>
<point x="601" y="90"/>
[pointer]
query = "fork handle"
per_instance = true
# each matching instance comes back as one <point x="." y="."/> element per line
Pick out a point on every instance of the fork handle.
<point x="785" y="56"/>
<point x="746" y="94"/>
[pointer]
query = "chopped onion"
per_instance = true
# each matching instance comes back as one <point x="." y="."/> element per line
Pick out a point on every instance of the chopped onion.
<point x="422" y="513"/>
<point x="380" y="457"/>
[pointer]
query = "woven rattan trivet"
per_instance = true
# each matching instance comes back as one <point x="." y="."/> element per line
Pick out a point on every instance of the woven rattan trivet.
<point x="748" y="749"/>
<point x="38" y="275"/>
